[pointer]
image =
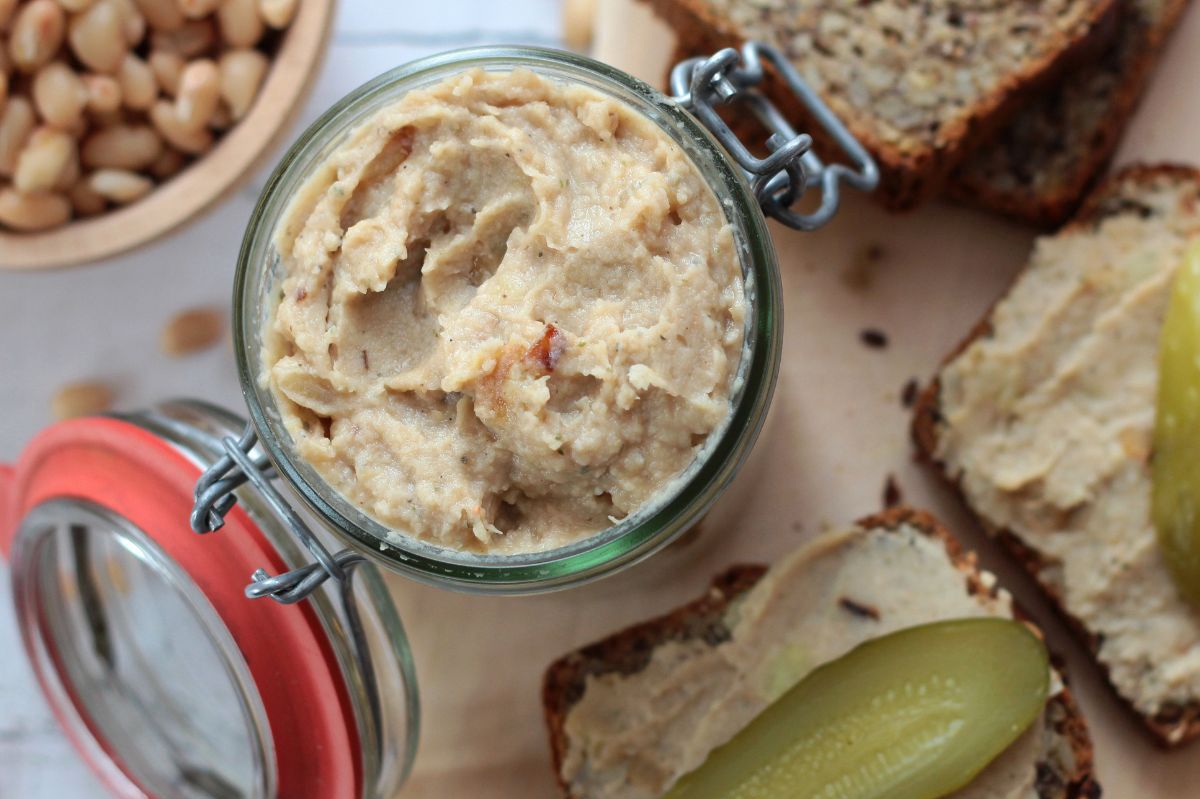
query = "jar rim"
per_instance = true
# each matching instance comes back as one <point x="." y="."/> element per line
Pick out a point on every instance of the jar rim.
<point x="640" y="535"/>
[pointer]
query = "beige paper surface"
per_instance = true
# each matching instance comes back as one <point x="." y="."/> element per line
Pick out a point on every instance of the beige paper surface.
<point x="835" y="432"/>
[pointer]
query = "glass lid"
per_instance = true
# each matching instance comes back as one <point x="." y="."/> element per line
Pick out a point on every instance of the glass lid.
<point x="135" y="660"/>
<point x="167" y="678"/>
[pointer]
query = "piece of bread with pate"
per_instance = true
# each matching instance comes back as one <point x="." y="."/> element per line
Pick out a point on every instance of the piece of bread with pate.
<point x="630" y="714"/>
<point x="919" y="84"/>
<point x="1043" y="419"/>
<point x="1041" y="164"/>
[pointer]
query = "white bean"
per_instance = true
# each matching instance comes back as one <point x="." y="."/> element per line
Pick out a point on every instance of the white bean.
<point x="195" y="38"/>
<point x="103" y="93"/>
<point x="195" y="9"/>
<point x="106" y="119"/>
<point x="278" y="13"/>
<point x="16" y="124"/>
<point x="7" y="7"/>
<point x="97" y="37"/>
<point x="578" y="19"/>
<point x="222" y="119"/>
<point x="79" y="128"/>
<point x="139" y="89"/>
<point x="59" y="95"/>
<point x="75" y="6"/>
<point x="85" y="200"/>
<point x="240" y="24"/>
<point x="133" y="24"/>
<point x="28" y="212"/>
<point x="120" y="185"/>
<point x="162" y="15"/>
<point x="178" y="135"/>
<point x="37" y="33"/>
<point x="168" y="164"/>
<point x="198" y="95"/>
<point x="82" y="398"/>
<point x="167" y="68"/>
<point x="242" y="73"/>
<point x="42" y="160"/>
<point x="70" y="173"/>
<point x="122" y="147"/>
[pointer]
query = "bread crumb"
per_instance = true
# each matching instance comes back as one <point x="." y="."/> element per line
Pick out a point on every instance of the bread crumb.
<point x="1136" y="444"/>
<point x="891" y="492"/>
<point x="874" y="338"/>
<point x="859" y="274"/>
<point x="859" y="608"/>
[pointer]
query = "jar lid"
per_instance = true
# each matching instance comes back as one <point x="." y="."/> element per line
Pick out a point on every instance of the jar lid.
<point x="167" y="679"/>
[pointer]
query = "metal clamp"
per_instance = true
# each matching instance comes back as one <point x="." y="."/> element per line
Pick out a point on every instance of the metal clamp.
<point x="701" y="84"/>
<point x="214" y="498"/>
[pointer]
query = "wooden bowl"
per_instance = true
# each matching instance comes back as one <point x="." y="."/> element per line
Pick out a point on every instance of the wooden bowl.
<point x="212" y="176"/>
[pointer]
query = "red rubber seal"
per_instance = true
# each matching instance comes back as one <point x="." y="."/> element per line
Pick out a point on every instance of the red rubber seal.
<point x="138" y="475"/>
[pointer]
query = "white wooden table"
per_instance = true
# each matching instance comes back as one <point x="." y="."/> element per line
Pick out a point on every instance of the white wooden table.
<point x="836" y="429"/>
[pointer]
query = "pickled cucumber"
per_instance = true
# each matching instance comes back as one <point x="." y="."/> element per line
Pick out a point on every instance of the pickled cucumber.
<point x="911" y="715"/>
<point x="1175" y="469"/>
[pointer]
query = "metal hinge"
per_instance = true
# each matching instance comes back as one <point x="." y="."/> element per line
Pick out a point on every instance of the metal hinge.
<point x="214" y="498"/>
<point x="778" y="181"/>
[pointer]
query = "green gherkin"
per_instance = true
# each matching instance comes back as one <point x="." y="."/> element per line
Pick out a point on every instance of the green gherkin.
<point x="911" y="715"/>
<point x="1175" y="501"/>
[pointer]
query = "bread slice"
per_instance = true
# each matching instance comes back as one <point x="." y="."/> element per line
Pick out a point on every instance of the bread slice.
<point x="1043" y="419"/>
<point x="1041" y="164"/>
<point x="918" y="88"/>
<point x="1058" y="752"/>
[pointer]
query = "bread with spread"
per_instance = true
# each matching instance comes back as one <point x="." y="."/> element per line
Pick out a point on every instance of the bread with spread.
<point x="630" y="714"/>
<point x="919" y="84"/>
<point x="1041" y="164"/>
<point x="1044" y="417"/>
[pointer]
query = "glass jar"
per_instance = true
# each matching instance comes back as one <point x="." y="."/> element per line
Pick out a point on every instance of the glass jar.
<point x="165" y="678"/>
<point x="644" y="532"/>
<point x="168" y="681"/>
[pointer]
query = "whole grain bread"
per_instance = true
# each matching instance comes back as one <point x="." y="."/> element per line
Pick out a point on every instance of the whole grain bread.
<point x="1066" y="774"/>
<point x="1040" y="165"/>
<point x="919" y="84"/>
<point x="1140" y="195"/>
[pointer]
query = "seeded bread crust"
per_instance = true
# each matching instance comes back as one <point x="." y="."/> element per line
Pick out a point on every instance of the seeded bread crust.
<point x="1041" y="164"/>
<point x="630" y="650"/>
<point x="1176" y="724"/>
<point x="913" y="168"/>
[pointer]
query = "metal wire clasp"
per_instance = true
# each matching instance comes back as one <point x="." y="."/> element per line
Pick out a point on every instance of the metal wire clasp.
<point x="214" y="498"/>
<point x="701" y="84"/>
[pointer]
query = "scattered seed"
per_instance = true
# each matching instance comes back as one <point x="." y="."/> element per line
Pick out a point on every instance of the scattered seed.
<point x="84" y="398"/>
<point x="908" y="396"/>
<point x="578" y="17"/>
<point x="191" y="331"/>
